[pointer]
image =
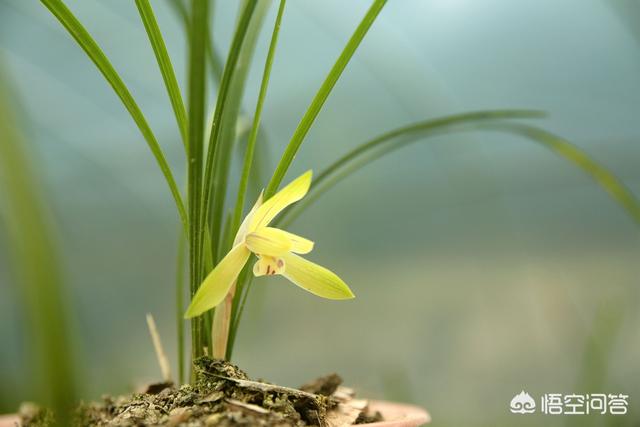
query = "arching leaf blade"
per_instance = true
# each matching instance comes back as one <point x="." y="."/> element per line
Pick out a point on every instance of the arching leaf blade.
<point x="390" y="141"/>
<point x="321" y="96"/>
<point x="165" y="65"/>
<point x="91" y="48"/>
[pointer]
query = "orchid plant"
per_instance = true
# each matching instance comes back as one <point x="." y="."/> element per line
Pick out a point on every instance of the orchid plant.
<point x="218" y="263"/>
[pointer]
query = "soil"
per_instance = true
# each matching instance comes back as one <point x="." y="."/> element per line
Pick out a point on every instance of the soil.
<point x="223" y="396"/>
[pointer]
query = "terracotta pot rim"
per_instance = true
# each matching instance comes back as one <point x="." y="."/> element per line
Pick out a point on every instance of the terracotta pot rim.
<point x="8" y="420"/>
<point x="396" y="414"/>
<point x="399" y="414"/>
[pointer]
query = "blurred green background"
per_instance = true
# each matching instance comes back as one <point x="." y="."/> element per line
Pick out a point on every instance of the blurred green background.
<point x="483" y="264"/>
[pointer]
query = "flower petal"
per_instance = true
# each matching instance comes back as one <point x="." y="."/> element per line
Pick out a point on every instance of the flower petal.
<point x="242" y="230"/>
<point x="315" y="278"/>
<point x="296" y="244"/>
<point x="299" y="244"/>
<point x="215" y="287"/>
<point x="268" y="241"/>
<point x="268" y="266"/>
<point x="293" y="192"/>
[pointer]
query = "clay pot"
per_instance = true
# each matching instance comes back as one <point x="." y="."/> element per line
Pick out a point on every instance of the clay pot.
<point x="395" y="414"/>
<point x="8" y="420"/>
<point x="398" y="415"/>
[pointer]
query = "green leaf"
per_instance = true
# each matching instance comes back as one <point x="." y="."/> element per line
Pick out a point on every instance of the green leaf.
<point x="253" y="136"/>
<point x="224" y="143"/>
<point x="207" y="265"/>
<point x="91" y="48"/>
<point x="484" y="120"/>
<point x="215" y="63"/>
<point x="390" y="141"/>
<point x="245" y="280"/>
<point x="240" y="295"/>
<point x="227" y="233"/>
<point x="33" y="252"/>
<point x="180" y="271"/>
<point x="256" y="177"/>
<point x="321" y="96"/>
<point x="221" y="105"/>
<point x="602" y="176"/>
<point x="228" y="124"/>
<point x="166" y="68"/>
<point x="197" y="88"/>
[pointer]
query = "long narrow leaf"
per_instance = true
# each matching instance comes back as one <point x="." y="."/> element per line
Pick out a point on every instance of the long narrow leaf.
<point x="390" y="141"/>
<point x="37" y="268"/>
<point x="253" y="136"/>
<point x="180" y="307"/>
<point x="222" y="161"/>
<point x="197" y="87"/>
<point x="321" y="96"/>
<point x="602" y="176"/>
<point x="228" y="124"/>
<point x="246" y="168"/>
<point x="207" y="265"/>
<point x="166" y="68"/>
<point x="215" y="63"/>
<point x="386" y="143"/>
<point x="221" y="105"/>
<point x="91" y="48"/>
<point x="246" y="279"/>
<point x="256" y="178"/>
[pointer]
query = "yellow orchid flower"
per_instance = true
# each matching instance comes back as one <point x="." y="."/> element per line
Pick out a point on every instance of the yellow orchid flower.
<point x="276" y="250"/>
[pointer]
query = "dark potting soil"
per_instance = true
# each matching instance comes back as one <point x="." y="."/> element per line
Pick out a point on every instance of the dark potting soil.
<point x="223" y="396"/>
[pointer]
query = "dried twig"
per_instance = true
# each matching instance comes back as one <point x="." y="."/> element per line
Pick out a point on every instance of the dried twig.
<point x="264" y="387"/>
<point x="163" y="361"/>
<point x="248" y="406"/>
